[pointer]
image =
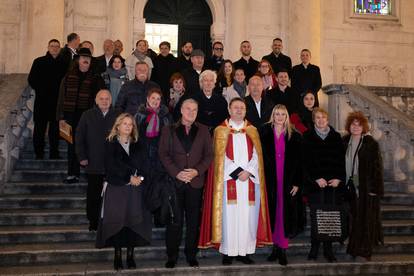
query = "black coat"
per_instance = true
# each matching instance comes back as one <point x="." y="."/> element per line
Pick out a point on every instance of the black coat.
<point x="91" y="133"/>
<point x="100" y="64"/>
<point x="280" y="62"/>
<point x="183" y="63"/>
<point x="251" y="111"/>
<point x="163" y="69"/>
<point x="211" y="112"/>
<point x="323" y="159"/>
<point x="366" y="230"/>
<point x="66" y="54"/>
<point x="191" y="78"/>
<point x="307" y="79"/>
<point x="249" y="68"/>
<point x="45" y="77"/>
<point x="292" y="206"/>
<point x="290" y="98"/>
<point x="214" y="63"/>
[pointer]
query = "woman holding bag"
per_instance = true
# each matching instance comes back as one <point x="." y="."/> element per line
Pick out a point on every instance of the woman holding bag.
<point x="125" y="220"/>
<point x="364" y="171"/>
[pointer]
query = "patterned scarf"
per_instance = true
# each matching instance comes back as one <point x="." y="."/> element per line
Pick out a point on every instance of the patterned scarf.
<point x="153" y="121"/>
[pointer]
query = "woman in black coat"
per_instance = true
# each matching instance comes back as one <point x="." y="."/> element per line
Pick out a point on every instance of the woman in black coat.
<point x="283" y="159"/>
<point x="364" y="165"/>
<point x="125" y="220"/>
<point x="324" y="160"/>
<point x="151" y="118"/>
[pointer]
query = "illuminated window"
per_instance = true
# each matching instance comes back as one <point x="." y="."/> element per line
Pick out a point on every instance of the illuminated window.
<point x="156" y="33"/>
<point x="375" y="7"/>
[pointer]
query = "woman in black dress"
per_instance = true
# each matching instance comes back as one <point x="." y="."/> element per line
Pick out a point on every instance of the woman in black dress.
<point x="125" y="220"/>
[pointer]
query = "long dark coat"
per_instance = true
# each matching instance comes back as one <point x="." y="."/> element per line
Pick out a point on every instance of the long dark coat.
<point x="323" y="159"/>
<point x="366" y="231"/>
<point x="292" y="206"/>
<point x="124" y="205"/>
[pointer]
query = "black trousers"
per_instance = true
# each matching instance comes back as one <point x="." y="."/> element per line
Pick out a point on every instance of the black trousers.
<point x="93" y="199"/>
<point x="189" y="205"/>
<point x="73" y="161"/>
<point x="39" y="130"/>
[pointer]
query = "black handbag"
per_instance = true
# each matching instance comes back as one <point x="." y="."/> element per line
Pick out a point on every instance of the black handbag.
<point x="329" y="221"/>
<point x="349" y="189"/>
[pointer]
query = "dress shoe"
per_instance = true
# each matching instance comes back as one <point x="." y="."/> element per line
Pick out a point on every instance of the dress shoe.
<point x="193" y="263"/>
<point x="329" y="256"/>
<point x="130" y="258"/>
<point x="170" y="264"/>
<point x="118" y="259"/>
<point x="313" y="253"/>
<point x="274" y="254"/>
<point x="282" y="257"/>
<point x="227" y="260"/>
<point x="244" y="259"/>
<point x="71" y="179"/>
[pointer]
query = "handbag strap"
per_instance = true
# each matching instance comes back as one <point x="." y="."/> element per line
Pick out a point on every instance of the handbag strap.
<point x="353" y="160"/>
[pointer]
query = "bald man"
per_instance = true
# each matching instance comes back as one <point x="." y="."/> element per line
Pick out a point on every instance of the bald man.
<point x="93" y="128"/>
<point x="258" y="107"/>
<point x="103" y="61"/>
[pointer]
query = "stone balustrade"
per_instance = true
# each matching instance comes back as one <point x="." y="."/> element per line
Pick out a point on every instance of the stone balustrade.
<point x="401" y="98"/>
<point x="391" y="127"/>
<point x="16" y="107"/>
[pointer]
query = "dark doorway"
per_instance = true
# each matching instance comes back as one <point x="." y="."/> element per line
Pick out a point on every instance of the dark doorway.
<point x="193" y="18"/>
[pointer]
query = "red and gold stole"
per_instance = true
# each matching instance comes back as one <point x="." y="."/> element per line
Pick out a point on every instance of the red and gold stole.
<point x="231" y="184"/>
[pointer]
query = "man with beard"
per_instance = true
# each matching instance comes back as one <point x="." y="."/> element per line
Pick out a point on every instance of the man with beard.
<point x="118" y="47"/>
<point x="76" y="95"/>
<point x="277" y="59"/>
<point x="45" y="77"/>
<point x="246" y="62"/>
<point x="184" y="61"/>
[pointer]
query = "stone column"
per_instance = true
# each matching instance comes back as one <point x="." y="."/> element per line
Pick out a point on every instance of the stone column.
<point x="236" y="20"/>
<point x="120" y="23"/>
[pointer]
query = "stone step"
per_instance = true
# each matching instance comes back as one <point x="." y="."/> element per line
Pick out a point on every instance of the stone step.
<point x="381" y="264"/>
<point x="29" y="154"/>
<point x="33" y="164"/>
<point x="40" y="176"/>
<point x="79" y="233"/>
<point x="55" y="234"/>
<point x="398" y="199"/>
<point x="41" y="188"/>
<point x="29" y="145"/>
<point x="67" y="201"/>
<point x="399" y="186"/>
<point x="57" y="253"/>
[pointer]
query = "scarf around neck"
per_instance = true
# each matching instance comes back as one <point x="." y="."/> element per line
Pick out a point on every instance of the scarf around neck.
<point x="116" y="73"/>
<point x="153" y="121"/>
<point x="240" y="88"/>
<point x="139" y="56"/>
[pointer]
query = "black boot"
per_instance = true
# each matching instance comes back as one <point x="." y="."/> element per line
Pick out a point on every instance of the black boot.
<point x="227" y="260"/>
<point x="130" y="258"/>
<point x="313" y="254"/>
<point x="118" y="258"/>
<point x="328" y="253"/>
<point x="273" y="256"/>
<point x="282" y="257"/>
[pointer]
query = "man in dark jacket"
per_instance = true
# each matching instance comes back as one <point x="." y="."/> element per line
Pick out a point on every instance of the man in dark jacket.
<point x="258" y="107"/>
<point x="134" y="92"/>
<point x="186" y="152"/>
<point x="277" y="59"/>
<point x="283" y="94"/>
<point x="77" y="93"/>
<point x="192" y="74"/>
<point x="103" y="61"/>
<point x="69" y="52"/>
<point x="93" y="128"/>
<point x="246" y="62"/>
<point x="164" y="66"/>
<point x="306" y="76"/>
<point x="184" y="60"/>
<point x="214" y="63"/>
<point x="45" y="77"/>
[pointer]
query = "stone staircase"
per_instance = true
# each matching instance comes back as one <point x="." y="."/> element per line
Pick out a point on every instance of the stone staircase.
<point x="43" y="230"/>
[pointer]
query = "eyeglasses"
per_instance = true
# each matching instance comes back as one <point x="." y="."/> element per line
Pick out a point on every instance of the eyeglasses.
<point x="218" y="49"/>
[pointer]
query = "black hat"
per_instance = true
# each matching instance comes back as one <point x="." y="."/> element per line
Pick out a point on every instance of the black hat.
<point x="84" y="52"/>
<point x="197" y="53"/>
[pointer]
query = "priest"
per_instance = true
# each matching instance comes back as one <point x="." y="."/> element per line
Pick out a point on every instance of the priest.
<point x="235" y="216"/>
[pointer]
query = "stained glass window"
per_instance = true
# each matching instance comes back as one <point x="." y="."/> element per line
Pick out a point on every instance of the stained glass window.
<point x="377" y="7"/>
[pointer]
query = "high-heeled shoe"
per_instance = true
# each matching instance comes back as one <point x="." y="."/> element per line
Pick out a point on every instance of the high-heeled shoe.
<point x="130" y="258"/>
<point x="274" y="254"/>
<point x="282" y="257"/>
<point x="118" y="259"/>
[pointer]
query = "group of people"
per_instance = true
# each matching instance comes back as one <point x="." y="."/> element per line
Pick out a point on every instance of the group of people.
<point x="234" y="150"/>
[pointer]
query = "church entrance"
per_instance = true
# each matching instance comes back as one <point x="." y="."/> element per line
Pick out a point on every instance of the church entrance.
<point x="193" y="18"/>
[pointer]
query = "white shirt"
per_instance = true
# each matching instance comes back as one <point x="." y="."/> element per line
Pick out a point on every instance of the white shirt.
<point x="257" y="104"/>
<point x="107" y="59"/>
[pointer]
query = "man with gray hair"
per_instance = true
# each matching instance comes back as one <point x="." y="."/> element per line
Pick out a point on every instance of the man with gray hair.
<point x="93" y="128"/>
<point x="103" y="60"/>
<point x="191" y="75"/>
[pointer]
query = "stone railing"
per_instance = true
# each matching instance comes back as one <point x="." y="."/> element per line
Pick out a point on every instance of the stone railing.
<point x="401" y="98"/>
<point x="392" y="128"/>
<point x="16" y="106"/>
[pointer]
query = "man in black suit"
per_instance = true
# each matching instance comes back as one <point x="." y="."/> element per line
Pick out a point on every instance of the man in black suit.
<point x="306" y="76"/>
<point x="103" y="61"/>
<point x="246" y="62"/>
<point x="283" y="94"/>
<point x="69" y="52"/>
<point x="192" y="74"/>
<point x="184" y="60"/>
<point x="277" y="59"/>
<point x="214" y="63"/>
<point x="258" y="107"/>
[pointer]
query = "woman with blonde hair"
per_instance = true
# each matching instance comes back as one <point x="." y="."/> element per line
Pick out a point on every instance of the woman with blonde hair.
<point x="364" y="172"/>
<point x="283" y="168"/>
<point x="125" y="220"/>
